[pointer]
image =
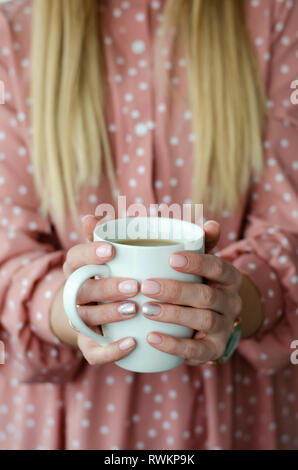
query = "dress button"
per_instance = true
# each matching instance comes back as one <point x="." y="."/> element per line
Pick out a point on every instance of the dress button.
<point x="138" y="46"/>
<point x="141" y="129"/>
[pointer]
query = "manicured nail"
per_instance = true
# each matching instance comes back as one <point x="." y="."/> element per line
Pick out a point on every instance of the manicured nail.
<point x="128" y="287"/>
<point x="154" y="338"/>
<point x="150" y="287"/>
<point x="83" y="217"/>
<point x="211" y="221"/>
<point x="128" y="308"/>
<point x="127" y="343"/>
<point x="104" y="251"/>
<point x="151" y="309"/>
<point x="178" y="261"/>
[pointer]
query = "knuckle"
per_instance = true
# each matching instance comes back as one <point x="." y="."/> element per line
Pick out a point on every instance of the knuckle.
<point x="174" y="312"/>
<point x="190" y="351"/>
<point x="198" y="261"/>
<point x="172" y="289"/>
<point x="91" y="359"/>
<point x="218" y="266"/>
<point x="208" y="294"/>
<point x="208" y="320"/>
<point x="84" y="314"/>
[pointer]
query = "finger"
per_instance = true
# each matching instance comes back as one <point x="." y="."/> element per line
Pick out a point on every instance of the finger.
<point x="191" y="294"/>
<point x="107" y="289"/>
<point x="212" y="234"/>
<point x="89" y="223"/>
<point x="107" y="313"/>
<point x="96" y="354"/>
<point x="87" y="253"/>
<point x="205" y="321"/>
<point x="209" y="266"/>
<point x="190" y="349"/>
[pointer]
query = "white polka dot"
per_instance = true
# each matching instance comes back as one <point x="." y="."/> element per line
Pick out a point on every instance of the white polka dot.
<point x="279" y="27"/>
<point x="23" y="189"/>
<point x="138" y="47"/>
<point x="174" y="141"/>
<point x="285" y="69"/>
<point x="110" y="380"/>
<point x="141" y="169"/>
<point x="132" y="183"/>
<point x="179" y="162"/>
<point x="32" y="226"/>
<point x="152" y="433"/>
<point x="135" y="114"/>
<point x="157" y="414"/>
<point x="141" y="129"/>
<point x="158" y="398"/>
<point x="162" y="107"/>
<point x="232" y="236"/>
<point x="93" y="198"/>
<point x="117" y="12"/>
<point x="140" y="17"/>
<point x="158" y="184"/>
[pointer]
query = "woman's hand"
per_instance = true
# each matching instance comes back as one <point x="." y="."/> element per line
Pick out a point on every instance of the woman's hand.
<point x="114" y="290"/>
<point x="210" y="308"/>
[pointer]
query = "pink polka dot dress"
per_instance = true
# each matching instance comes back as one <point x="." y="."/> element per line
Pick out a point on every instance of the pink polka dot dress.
<point x="50" y="398"/>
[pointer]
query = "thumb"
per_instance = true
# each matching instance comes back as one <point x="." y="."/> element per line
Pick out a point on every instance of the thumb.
<point x="89" y="223"/>
<point x="212" y="234"/>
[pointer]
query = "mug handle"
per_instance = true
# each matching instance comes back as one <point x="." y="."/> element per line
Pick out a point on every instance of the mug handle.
<point x="70" y="292"/>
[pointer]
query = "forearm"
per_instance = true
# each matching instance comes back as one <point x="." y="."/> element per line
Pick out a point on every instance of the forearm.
<point x="252" y="311"/>
<point x="59" y="321"/>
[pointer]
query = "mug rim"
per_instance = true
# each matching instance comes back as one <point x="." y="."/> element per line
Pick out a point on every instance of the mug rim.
<point x="194" y="239"/>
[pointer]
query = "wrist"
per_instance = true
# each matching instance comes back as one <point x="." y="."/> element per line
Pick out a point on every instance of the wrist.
<point x="59" y="323"/>
<point x="252" y="313"/>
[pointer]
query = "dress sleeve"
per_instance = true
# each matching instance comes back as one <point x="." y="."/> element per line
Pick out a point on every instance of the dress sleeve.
<point x="268" y="252"/>
<point x="30" y="258"/>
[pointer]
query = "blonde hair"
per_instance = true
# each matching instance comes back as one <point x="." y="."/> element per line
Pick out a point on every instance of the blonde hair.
<point x="70" y="138"/>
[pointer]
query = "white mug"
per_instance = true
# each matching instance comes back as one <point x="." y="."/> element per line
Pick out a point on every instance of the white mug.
<point x="138" y="262"/>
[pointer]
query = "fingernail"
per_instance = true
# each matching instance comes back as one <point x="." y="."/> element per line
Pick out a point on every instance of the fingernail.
<point x="151" y="309"/>
<point x="83" y="217"/>
<point x="127" y="343"/>
<point x="178" y="261"/>
<point x="211" y="221"/>
<point x="127" y="308"/>
<point x="154" y="338"/>
<point x="150" y="287"/>
<point x="103" y="251"/>
<point x="128" y="287"/>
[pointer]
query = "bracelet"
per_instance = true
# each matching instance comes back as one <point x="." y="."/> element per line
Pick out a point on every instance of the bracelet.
<point x="232" y="343"/>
